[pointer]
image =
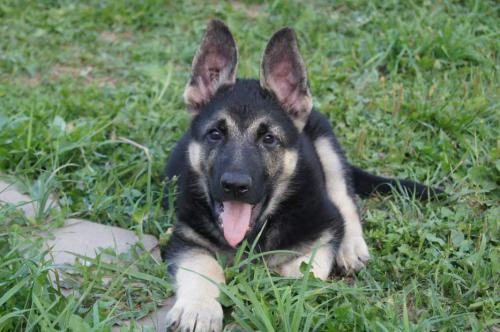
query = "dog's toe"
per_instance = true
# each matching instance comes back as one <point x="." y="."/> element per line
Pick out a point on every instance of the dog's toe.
<point x="353" y="253"/>
<point x="173" y="318"/>
<point x="195" y="316"/>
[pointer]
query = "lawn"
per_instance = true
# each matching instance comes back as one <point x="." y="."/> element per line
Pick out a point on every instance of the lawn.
<point x="91" y="106"/>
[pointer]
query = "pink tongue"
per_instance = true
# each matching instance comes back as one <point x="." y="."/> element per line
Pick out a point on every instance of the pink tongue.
<point x="235" y="221"/>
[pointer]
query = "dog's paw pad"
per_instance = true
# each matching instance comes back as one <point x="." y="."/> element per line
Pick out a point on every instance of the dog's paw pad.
<point x="200" y="315"/>
<point x="353" y="253"/>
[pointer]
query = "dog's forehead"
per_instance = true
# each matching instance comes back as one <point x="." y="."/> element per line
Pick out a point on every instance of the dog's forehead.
<point x="242" y="120"/>
<point x="244" y="102"/>
<point x="243" y="108"/>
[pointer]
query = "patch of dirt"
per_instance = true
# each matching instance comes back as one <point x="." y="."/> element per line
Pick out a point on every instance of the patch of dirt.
<point x="31" y="81"/>
<point x="113" y="36"/>
<point x="252" y="11"/>
<point x="107" y="81"/>
<point x="60" y="70"/>
<point x="86" y="73"/>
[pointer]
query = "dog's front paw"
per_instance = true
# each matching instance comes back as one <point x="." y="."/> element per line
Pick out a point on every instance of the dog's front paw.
<point x="353" y="253"/>
<point x="195" y="315"/>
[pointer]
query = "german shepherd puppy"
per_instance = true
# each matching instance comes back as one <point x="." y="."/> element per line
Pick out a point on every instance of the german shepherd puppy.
<point x="259" y="164"/>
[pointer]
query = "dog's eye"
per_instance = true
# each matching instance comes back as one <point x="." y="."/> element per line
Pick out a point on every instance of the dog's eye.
<point x="269" y="139"/>
<point x="214" y="135"/>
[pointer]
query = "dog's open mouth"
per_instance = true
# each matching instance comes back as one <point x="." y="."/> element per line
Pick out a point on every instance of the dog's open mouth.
<point x="236" y="219"/>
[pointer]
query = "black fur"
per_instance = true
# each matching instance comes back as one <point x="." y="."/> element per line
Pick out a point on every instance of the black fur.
<point x="306" y="212"/>
<point x="258" y="164"/>
<point x="366" y="184"/>
<point x="307" y="205"/>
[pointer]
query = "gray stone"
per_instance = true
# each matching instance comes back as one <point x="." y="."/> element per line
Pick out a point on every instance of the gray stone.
<point x="10" y="193"/>
<point x="86" y="238"/>
<point x="80" y="237"/>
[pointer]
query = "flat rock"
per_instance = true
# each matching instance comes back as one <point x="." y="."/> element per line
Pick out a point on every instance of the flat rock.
<point x="80" y="237"/>
<point x="10" y="193"/>
<point x="87" y="238"/>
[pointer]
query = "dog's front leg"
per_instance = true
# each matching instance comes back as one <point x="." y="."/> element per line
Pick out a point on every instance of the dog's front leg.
<point x="353" y="252"/>
<point x="321" y="263"/>
<point x="196" y="308"/>
<point x="320" y="254"/>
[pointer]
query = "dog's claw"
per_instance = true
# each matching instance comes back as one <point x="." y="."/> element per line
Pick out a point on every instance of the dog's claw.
<point x="171" y="326"/>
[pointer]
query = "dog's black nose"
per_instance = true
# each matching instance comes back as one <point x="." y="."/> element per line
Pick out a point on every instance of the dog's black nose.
<point x="237" y="184"/>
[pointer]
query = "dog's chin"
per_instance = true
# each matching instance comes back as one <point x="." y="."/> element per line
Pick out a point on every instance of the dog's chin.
<point x="236" y="219"/>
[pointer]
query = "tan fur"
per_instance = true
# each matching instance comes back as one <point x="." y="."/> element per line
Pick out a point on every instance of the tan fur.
<point x="320" y="251"/>
<point x="196" y="302"/>
<point x="252" y="129"/>
<point x="195" y="157"/>
<point x="288" y="165"/>
<point x="192" y="266"/>
<point x="232" y="127"/>
<point x="353" y="251"/>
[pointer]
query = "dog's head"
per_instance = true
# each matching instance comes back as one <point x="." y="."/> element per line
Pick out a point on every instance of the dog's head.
<point x="245" y="133"/>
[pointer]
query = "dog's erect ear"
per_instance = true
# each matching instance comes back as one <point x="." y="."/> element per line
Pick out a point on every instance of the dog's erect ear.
<point x="214" y="65"/>
<point x="283" y="73"/>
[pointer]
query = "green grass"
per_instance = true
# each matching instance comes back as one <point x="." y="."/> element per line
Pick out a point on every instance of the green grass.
<point x="91" y="106"/>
